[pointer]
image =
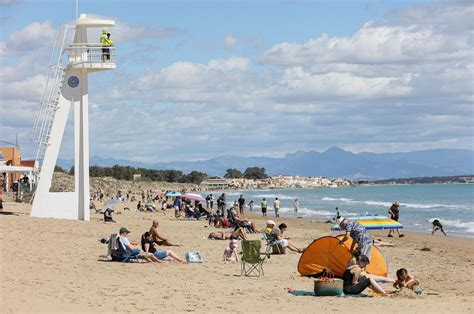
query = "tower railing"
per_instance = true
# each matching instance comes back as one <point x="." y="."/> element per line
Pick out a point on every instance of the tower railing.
<point x="90" y="55"/>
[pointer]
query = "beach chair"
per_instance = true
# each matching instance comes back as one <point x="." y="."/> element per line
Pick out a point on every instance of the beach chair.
<point x="272" y="246"/>
<point x="252" y="260"/>
<point x="124" y="255"/>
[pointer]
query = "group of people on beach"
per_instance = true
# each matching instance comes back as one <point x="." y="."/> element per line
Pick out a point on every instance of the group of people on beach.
<point x="355" y="277"/>
<point x="148" y="247"/>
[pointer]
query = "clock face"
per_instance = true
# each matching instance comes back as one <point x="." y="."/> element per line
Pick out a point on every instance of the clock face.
<point x="73" y="81"/>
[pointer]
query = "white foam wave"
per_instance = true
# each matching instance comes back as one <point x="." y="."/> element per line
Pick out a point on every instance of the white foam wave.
<point x="388" y="204"/>
<point x="375" y="203"/>
<point x="467" y="225"/>
<point x="232" y="194"/>
<point x="303" y="211"/>
<point x="272" y="196"/>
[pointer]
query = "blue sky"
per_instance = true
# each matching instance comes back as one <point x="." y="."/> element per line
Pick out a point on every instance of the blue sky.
<point x="196" y="80"/>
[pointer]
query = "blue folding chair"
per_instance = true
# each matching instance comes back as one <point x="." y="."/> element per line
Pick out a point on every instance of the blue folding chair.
<point x="126" y="255"/>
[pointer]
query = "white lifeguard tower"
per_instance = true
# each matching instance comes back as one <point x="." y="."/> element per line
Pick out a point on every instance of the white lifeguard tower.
<point x="66" y="87"/>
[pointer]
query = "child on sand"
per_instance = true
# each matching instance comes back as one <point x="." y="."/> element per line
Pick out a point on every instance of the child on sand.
<point x="230" y="255"/>
<point x="405" y="280"/>
<point x="437" y="226"/>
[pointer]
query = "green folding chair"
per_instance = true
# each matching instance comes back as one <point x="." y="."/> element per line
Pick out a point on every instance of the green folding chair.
<point x="252" y="260"/>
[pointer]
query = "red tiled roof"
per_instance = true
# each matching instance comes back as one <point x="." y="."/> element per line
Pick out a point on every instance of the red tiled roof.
<point x="27" y="163"/>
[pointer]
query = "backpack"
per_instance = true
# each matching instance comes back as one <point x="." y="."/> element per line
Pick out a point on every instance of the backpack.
<point x="113" y="244"/>
<point x="194" y="257"/>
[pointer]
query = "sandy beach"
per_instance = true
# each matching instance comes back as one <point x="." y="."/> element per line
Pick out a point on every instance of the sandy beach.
<point x="51" y="265"/>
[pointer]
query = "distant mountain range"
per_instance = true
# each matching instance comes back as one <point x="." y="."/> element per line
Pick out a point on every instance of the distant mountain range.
<point x="333" y="163"/>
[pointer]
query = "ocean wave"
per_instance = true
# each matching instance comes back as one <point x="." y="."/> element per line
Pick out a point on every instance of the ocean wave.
<point x="306" y="212"/>
<point x="272" y="196"/>
<point x="468" y="225"/>
<point x="376" y="203"/>
<point x="388" y="204"/>
<point x="233" y="194"/>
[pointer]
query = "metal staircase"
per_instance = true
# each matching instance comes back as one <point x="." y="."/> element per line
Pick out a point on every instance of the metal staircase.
<point x="50" y="99"/>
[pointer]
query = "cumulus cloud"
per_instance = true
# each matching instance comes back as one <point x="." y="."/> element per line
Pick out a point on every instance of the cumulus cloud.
<point x="374" y="44"/>
<point x="126" y="32"/>
<point x="34" y="36"/>
<point x="404" y="83"/>
<point x="230" y="41"/>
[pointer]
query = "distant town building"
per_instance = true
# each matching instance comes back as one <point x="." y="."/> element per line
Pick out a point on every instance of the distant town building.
<point x="215" y="184"/>
<point x="13" y="169"/>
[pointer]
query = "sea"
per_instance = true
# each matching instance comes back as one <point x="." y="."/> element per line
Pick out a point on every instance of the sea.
<point x="420" y="204"/>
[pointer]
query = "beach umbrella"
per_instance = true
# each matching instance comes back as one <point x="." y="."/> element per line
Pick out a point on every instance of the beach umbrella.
<point x="157" y="193"/>
<point x="113" y="202"/>
<point x="194" y="197"/>
<point x="373" y="223"/>
<point x="173" y="194"/>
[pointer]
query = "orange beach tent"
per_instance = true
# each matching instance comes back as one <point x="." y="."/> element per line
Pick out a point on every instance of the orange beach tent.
<point x="327" y="253"/>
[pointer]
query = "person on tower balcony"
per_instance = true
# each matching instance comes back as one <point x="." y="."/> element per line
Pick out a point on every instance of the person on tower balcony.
<point x="103" y="42"/>
<point x="109" y="43"/>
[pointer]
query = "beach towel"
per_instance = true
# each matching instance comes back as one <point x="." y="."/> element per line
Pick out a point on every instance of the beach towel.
<point x="312" y="294"/>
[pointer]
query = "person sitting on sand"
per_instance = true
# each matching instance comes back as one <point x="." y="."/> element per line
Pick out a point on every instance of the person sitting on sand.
<point x="359" y="235"/>
<point x="108" y="215"/>
<point x="230" y="254"/>
<point x="238" y="222"/>
<point x="125" y="242"/>
<point x="158" y="238"/>
<point x="284" y="243"/>
<point x="149" y="248"/>
<point x="269" y="228"/>
<point x="363" y="273"/>
<point x="218" y="221"/>
<point x="235" y="235"/>
<point x="437" y="226"/>
<point x="405" y="280"/>
<point x="354" y="283"/>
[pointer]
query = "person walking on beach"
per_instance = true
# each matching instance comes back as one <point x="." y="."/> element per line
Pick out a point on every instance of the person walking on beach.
<point x="338" y="213"/>
<point x="276" y="207"/>
<point x="211" y="201"/>
<point x="394" y="212"/>
<point x="359" y="235"/>
<point x="296" y="205"/>
<point x="241" y="204"/>
<point x="264" y="207"/>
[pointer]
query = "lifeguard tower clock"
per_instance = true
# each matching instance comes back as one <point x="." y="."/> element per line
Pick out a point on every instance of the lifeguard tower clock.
<point x="66" y="88"/>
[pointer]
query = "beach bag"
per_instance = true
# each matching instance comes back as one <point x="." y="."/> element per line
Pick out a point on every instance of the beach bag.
<point x="327" y="285"/>
<point x="193" y="257"/>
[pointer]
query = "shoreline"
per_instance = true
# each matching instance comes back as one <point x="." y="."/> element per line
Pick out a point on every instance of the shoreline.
<point x="320" y="224"/>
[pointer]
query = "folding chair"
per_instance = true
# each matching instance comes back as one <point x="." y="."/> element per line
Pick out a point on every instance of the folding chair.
<point x="252" y="260"/>
<point x="271" y="244"/>
<point x="125" y="255"/>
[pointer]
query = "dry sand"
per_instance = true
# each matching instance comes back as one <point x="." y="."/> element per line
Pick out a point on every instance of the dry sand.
<point x="51" y="265"/>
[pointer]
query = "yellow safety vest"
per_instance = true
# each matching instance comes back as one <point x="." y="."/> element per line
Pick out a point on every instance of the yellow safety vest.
<point x="103" y="39"/>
